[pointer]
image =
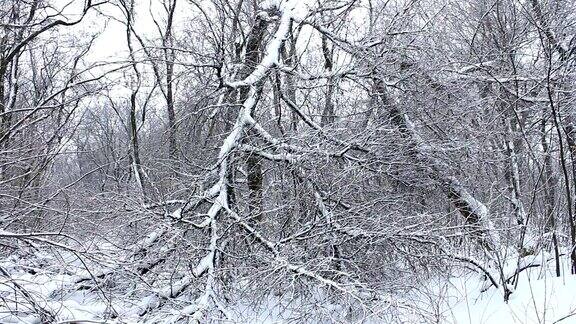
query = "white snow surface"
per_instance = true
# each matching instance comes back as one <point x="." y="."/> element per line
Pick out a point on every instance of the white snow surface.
<point x="539" y="297"/>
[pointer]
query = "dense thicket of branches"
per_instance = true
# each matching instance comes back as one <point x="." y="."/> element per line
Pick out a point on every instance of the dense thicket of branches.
<point x="231" y="153"/>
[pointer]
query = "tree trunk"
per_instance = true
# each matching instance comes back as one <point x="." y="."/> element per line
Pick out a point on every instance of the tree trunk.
<point x="169" y="57"/>
<point x="474" y="211"/>
<point x="328" y="116"/>
<point x="253" y="162"/>
<point x="550" y="183"/>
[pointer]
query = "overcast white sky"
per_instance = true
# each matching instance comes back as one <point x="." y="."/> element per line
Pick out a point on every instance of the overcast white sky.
<point x="111" y="43"/>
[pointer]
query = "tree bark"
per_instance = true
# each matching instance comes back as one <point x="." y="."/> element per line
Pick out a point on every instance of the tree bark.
<point x="550" y="183"/>
<point x="328" y="116"/>
<point x="475" y="213"/>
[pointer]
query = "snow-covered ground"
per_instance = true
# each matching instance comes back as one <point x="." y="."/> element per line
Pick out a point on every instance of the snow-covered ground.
<point x="539" y="297"/>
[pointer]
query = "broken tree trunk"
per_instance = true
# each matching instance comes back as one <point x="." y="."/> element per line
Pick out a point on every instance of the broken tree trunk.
<point x="475" y="213"/>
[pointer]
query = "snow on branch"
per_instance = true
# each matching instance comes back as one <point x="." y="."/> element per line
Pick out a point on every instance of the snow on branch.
<point x="273" y="48"/>
<point x="272" y="247"/>
<point x="207" y="264"/>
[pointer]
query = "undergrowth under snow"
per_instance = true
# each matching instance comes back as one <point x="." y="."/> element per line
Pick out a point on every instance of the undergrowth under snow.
<point x="539" y="297"/>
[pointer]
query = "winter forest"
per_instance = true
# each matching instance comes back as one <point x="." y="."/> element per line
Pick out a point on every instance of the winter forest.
<point x="287" y="161"/>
